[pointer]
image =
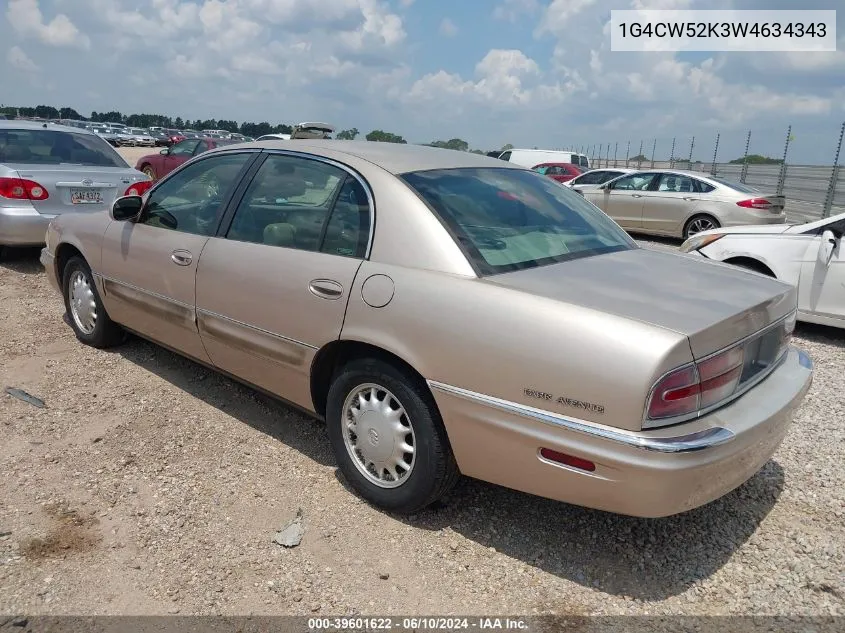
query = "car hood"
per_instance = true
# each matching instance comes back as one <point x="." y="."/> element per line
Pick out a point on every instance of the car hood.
<point x="713" y="304"/>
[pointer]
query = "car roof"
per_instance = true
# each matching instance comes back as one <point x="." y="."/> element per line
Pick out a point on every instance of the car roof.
<point x="396" y="158"/>
<point x="22" y="124"/>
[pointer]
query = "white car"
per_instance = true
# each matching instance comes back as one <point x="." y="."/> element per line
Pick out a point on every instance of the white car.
<point x="809" y="256"/>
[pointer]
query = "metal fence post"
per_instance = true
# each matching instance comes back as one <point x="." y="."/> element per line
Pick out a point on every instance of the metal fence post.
<point x="672" y="156"/>
<point x="607" y="156"/>
<point x="834" y="175"/>
<point x="691" y="145"/>
<point x="782" y="172"/>
<point x="745" y="159"/>
<point x="715" y="153"/>
<point x="627" y="153"/>
<point x="640" y="156"/>
<point x="653" y="149"/>
<point x="615" y="151"/>
<point x="600" y="146"/>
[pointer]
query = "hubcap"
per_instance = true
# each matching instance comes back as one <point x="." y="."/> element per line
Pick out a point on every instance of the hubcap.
<point x="83" y="307"/>
<point x="378" y="435"/>
<point x="700" y="224"/>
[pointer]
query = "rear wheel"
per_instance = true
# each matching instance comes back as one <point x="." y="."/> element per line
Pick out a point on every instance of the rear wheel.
<point x="88" y="317"/>
<point x="149" y="171"/>
<point x="699" y="223"/>
<point x="388" y="438"/>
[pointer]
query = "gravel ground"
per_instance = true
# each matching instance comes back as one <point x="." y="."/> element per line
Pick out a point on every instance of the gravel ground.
<point x="150" y="485"/>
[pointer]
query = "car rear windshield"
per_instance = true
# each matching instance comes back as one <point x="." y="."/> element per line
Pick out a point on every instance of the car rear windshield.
<point x="54" y="147"/>
<point x="736" y="186"/>
<point x="512" y="219"/>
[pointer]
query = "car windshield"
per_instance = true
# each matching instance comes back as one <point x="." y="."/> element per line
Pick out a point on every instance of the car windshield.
<point x="512" y="219"/>
<point x="736" y="186"/>
<point x="53" y="147"/>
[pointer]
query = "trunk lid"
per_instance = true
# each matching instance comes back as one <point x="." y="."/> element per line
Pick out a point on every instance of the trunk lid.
<point x="713" y="304"/>
<point x="77" y="188"/>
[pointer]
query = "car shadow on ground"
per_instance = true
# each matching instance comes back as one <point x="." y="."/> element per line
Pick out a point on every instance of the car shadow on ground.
<point x="824" y="334"/>
<point x="24" y="261"/>
<point x="645" y="559"/>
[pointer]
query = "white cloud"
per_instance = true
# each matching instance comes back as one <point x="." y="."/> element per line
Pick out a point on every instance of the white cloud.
<point x="559" y="14"/>
<point x="20" y="60"/>
<point x="448" y="28"/>
<point x="26" y="18"/>
<point x="513" y="10"/>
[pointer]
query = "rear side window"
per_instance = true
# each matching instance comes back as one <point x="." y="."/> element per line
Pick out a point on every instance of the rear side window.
<point x="736" y="186"/>
<point x="505" y="156"/>
<point x="513" y="219"/>
<point x="56" y="147"/>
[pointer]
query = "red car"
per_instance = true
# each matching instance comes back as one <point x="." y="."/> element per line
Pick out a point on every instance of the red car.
<point x="157" y="166"/>
<point x="559" y="171"/>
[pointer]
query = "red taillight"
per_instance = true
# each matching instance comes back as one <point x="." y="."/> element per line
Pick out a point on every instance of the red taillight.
<point x="139" y="188"/>
<point x="567" y="460"/>
<point x="755" y="203"/>
<point x="698" y="386"/>
<point x="22" y="189"/>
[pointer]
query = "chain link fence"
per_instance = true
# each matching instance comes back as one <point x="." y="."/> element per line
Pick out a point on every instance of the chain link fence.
<point x="812" y="191"/>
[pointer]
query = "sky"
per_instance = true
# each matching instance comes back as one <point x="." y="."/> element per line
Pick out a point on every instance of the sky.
<point x="525" y="72"/>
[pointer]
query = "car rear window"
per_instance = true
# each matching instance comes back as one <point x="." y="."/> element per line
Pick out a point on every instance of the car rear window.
<point x="513" y="219"/>
<point x="55" y="147"/>
<point x="736" y="186"/>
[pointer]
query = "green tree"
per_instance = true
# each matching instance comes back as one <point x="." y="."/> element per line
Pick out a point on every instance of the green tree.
<point x="506" y="147"/>
<point x="455" y="143"/>
<point x="69" y="113"/>
<point x="385" y="137"/>
<point x="46" y="112"/>
<point x="757" y="159"/>
<point x="638" y="159"/>
<point x="347" y="135"/>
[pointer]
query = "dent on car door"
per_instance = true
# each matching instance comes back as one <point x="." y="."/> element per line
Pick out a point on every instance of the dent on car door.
<point x="272" y="287"/>
<point x="149" y="266"/>
<point x="670" y="200"/>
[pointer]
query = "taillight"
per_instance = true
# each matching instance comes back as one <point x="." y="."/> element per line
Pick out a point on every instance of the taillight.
<point x="755" y="203"/>
<point x="139" y="188"/>
<point x="697" y="386"/>
<point x="22" y="189"/>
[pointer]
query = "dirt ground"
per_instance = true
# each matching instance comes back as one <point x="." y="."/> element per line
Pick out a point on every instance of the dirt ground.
<point x="151" y="485"/>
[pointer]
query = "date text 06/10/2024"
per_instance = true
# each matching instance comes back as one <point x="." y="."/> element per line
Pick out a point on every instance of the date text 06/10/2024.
<point x="339" y="624"/>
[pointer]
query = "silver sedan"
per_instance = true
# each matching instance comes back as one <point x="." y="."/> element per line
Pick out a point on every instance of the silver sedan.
<point x="47" y="170"/>
<point x="677" y="203"/>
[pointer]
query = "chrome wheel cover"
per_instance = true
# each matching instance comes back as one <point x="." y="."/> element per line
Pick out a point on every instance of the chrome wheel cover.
<point x="700" y="224"/>
<point x="83" y="305"/>
<point x="378" y="435"/>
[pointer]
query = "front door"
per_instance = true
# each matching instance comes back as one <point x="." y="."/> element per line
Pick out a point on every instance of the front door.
<point x="149" y="267"/>
<point x="668" y="203"/>
<point x="272" y="288"/>
<point x="622" y="200"/>
<point x="180" y="153"/>
<point x="821" y="289"/>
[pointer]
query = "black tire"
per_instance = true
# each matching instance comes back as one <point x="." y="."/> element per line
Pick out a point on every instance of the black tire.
<point x="692" y="221"/>
<point x="105" y="333"/>
<point x="434" y="470"/>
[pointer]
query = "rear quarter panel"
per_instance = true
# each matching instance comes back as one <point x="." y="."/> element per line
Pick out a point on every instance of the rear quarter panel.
<point x="83" y="231"/>
<point x="467" y="333"/>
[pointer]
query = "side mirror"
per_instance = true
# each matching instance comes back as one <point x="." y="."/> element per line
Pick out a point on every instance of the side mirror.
<point x="828" y="243"/>
<point x="127" y="208"/>
<point x="165" y="151"/>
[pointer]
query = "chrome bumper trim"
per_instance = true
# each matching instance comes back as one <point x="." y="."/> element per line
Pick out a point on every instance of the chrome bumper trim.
<point x="688" y="443"/>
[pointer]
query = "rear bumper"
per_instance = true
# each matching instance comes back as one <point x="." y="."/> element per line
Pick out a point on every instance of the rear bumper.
<point x="22" y="226"/>
<point x="652" y="473"/>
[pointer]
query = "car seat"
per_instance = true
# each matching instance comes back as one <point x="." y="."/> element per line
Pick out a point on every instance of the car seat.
<point x="280" y="234"/>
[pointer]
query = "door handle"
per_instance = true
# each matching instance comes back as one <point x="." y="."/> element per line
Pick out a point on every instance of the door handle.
<point x="636" y="195"/>
<point x="326" y="289"/>
<point x="181" y="257"/>
<point x="688" y="198"/>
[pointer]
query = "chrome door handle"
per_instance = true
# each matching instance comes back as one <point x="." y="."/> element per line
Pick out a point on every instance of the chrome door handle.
<point x="636" y="195"/>
<point x="181" y="257"/>
<point x="688" y="198"/>
<point x="326" y="289"/>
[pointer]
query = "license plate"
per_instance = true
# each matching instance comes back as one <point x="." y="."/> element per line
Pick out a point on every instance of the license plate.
<point x="86" y="196"/>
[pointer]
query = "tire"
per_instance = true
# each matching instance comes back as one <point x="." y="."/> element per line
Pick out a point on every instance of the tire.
<point x="702" y="219"/>
<point x="78" y="288"/>
<point x="149" y="171"/>
<point x="431" y="471"/>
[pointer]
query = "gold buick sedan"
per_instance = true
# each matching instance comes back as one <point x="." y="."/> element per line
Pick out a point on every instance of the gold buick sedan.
<point x="447" y="313"/>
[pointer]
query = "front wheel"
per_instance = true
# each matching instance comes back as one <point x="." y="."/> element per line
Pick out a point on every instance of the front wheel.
<point x="699" y="223"/>
<point x="88" y="317"/>
<point x="388" y="438"/>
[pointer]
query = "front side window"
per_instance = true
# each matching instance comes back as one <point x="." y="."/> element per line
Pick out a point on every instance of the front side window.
<point x="634" y="182"/>
<point x="184" y="148"/>
<point x="590" y="178"/>
<point x="505" y="156"/>
<point x="192" y="198"/>
<point x="509" y="219"/>
<point x="55" y="147"/>
<point x="290" y="201"/>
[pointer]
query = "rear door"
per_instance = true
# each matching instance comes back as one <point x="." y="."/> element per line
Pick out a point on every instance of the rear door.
<point x="272" y="287"/>
<point x="670" y="200"/>
<point x="149" y="267"/>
